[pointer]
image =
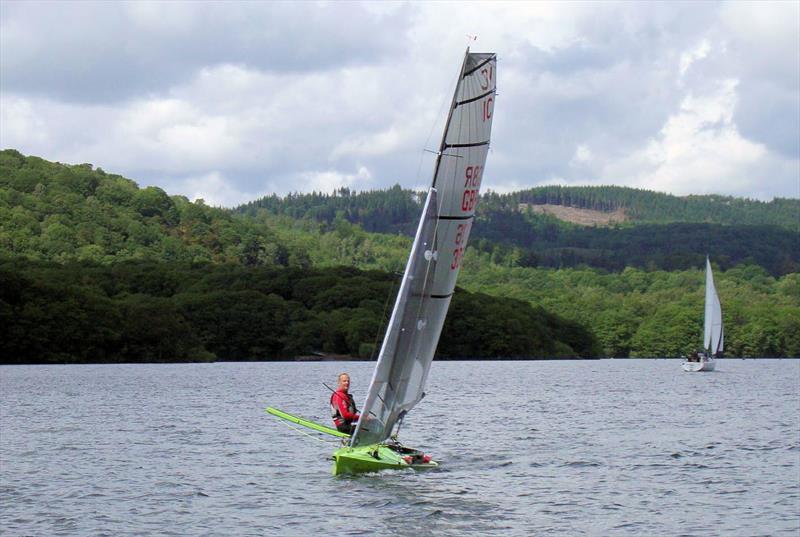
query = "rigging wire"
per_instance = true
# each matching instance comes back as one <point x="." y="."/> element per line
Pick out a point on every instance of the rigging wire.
<point x="384" y="320"/>
<point x="442" y="102"/>
<point x="441" y="202"/>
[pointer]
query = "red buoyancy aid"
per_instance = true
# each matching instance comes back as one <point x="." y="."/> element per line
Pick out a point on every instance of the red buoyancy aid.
<point x="343" y="408"/>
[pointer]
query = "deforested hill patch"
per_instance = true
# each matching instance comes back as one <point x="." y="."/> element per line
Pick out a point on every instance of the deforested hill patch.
<point x="646" y="206"/>
<point x="575" y="215"/>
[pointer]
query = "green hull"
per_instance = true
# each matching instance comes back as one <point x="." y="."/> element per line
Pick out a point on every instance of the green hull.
<point x="377" y="457"/>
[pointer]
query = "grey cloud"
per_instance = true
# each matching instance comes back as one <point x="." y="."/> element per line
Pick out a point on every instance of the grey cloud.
<point x="768" y="110"/>
<point x="614" y="88"/>
<point x="108" y="51"/>
<point x="612" y="116"/>
<point x="628" y="60"/>
<point x="767" y="114"/>
<point x="645" y="33"/>
<point x="570" y="59"/>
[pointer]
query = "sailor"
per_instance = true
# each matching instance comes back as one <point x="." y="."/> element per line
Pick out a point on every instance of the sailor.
<point x="343" y="408"/>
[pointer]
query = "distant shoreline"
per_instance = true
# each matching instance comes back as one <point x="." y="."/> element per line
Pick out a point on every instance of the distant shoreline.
<point x="345" y="358"/>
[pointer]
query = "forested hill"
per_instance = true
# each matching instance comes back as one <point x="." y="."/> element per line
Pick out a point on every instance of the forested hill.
<point x="61" y="212"/>
<point x="663" y="232"/>
<point x="394" y="209"/>
<point x="94" y="268"/>
<point x="142" y="311"/>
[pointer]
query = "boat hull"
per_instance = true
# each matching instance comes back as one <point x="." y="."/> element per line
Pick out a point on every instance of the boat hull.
<point x="693" y="367"/>
<point x="377" y="457"/>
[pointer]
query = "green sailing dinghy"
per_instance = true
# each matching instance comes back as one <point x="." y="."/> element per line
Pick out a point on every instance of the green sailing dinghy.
<point x="428" y="282"/>
<point x="370" y="458"/>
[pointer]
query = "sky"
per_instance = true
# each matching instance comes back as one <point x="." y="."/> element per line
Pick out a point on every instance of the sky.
<point x="233" y="101"/>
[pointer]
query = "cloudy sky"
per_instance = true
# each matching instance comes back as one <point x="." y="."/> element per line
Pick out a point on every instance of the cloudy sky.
<point x="232" y="101"/>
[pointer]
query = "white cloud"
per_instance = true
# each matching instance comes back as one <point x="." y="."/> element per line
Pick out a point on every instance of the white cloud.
<point x="583" y="156"/>
<point x="20" y="125"/>
<point x="330" y="180"/>
<point x="697" y="149"/>
<point x="214" y="189"/>
<point x="691" y="56"/>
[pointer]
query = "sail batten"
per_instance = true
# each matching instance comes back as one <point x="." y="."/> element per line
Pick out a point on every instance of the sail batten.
<point x="436" y="255"/>
<point x="476" y="144"/>
<point x="459" y="103"/>
<point x="455" y="217"/>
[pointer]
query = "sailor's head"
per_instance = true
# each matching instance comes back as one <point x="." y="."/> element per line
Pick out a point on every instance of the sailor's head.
<point x="344" y="381"/>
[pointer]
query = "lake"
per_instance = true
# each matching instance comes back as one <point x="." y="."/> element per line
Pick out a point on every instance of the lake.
<point x="607" y="447"/>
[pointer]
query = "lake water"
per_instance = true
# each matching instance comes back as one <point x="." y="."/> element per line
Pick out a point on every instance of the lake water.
<point x="611" y="447"/>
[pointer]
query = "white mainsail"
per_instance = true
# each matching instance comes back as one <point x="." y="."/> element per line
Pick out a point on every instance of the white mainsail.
<point x="713" y="337"/>
<point x="436" y="255"/>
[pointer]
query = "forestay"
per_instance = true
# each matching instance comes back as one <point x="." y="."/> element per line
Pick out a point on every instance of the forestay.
<point x="436" y="255"/>
<point x="713" y="337"/>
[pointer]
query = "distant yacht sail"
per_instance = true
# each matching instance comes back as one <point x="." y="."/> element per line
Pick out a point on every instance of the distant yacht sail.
<point x="713" y="338"/>
<point x="712" y="330"/>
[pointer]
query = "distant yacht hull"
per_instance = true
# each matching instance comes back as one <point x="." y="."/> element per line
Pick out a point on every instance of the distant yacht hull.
<point x="706" y="364"/>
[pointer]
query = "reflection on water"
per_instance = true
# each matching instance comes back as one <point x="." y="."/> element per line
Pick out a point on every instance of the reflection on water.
<point x="622" y="447"/>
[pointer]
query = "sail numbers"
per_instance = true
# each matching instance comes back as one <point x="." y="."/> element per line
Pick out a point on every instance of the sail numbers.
<point x="487" y="81"/>
<point x="488" y="107"/>
<point x="472" y="182"/>
<point x="460" y="242"/>
<point x="487" y="74"/>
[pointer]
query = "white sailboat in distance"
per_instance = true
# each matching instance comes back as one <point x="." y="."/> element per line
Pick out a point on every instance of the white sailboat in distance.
<point x="713" y="337"/>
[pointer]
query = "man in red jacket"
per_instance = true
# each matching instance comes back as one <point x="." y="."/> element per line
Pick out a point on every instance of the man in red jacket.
<point x="343" y="408"/>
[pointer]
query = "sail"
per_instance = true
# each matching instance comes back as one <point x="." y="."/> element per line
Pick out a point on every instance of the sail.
<point x="713" y="337"/>
<point x="436" y="255"/>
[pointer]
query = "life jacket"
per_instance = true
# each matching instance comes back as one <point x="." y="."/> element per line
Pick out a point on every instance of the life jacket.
<point x="338" y="419"/>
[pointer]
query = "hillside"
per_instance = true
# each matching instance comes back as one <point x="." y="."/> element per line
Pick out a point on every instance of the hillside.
<point x="157" y="312"/>
<point x="645" y="206"/>
<point x="659" y="231"/>
<point x="59" y="212"/>
<point x="673" y="246"/>
<point x="92" y="267"/>
<point x="387" y="210"/>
